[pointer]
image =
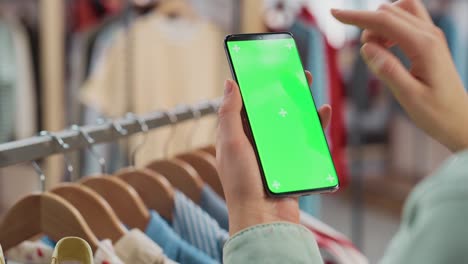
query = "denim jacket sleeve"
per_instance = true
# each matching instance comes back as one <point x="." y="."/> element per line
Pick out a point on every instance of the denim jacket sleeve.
<point x="434" y="226"/>
<point x="272" y="243"/>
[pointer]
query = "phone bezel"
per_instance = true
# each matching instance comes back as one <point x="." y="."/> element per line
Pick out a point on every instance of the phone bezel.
<point x="246" y="121"/>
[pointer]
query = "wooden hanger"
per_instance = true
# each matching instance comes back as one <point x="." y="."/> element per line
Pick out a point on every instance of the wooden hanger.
<point x="123" y="199"/>
<point x="95" y="210"/>
<point x="205" y="165"/>
<point x="210" y="150"/>
<point x="47" y="214"/>
<point x="155" y="191"/>
<point x="176" y="9"/>
<point x="181" y="175"/>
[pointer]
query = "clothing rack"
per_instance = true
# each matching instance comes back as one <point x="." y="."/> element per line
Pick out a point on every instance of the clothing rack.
<point x="41" y="146"/>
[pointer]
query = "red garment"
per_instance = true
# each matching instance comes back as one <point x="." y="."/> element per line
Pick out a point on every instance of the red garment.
<point x="88" y="13"/>
<point x="337" y="125"/>
<point x="340" y="251"/>
<point x="334" y="246"/>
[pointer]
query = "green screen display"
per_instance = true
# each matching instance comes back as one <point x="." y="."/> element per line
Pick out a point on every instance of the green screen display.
<point x="285" y="125"/>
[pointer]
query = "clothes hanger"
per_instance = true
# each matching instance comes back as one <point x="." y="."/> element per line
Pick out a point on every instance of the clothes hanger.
<point x="155" y="191"/>
<point x="145" y="6"/>
<point x="205" y="165"/>
<point x="179" y="173"/>
<point x="44" y="213"/>
<point x="123" y="199"/>
<point x="202" y="162"/>
<point x="95" y="210"/>
<point x="176" y="9"/>
<point x="211" y="150"/>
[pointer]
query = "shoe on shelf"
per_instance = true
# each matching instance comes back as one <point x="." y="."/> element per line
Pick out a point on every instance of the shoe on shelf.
<point x="72" y="250"/>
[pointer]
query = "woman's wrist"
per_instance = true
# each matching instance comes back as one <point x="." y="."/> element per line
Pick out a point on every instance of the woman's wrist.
<point x="463" y="145"/>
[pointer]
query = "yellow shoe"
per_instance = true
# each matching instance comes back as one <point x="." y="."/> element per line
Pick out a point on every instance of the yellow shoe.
<point x="72" y="250"/>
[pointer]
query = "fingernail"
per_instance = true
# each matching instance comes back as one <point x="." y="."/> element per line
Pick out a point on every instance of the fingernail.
<point x="372" y="56"/>
<point x="335" y="10"/>
<point x="227" y="87"/>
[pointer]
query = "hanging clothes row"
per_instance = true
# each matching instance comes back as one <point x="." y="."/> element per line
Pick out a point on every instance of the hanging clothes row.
<point x="169" y="210"/>
<point x="175" y="225"/>
<point x="139" y="62"/>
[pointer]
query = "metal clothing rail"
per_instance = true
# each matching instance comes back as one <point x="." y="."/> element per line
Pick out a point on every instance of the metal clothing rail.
<point x="41" y="146"/>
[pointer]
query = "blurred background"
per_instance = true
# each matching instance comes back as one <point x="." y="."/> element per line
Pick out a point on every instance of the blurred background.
<point x="65" y="62"/>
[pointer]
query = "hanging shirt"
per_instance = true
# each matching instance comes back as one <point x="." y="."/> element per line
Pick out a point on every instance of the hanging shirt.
<point x="136" y="248"/>
<point x="26" y="101"/>
<point x="221" y="12"/>
<point x="8" y="77"/>
<point x="334" y="246"/>
<point x="105" y="254"/>
<point x="198" y="228"/>
<point x="87" y="13"/>
<point x="173" y="246"/>
<point x="172" y="61"/>
<point x="215" y="206"/>
<point x="31" y="252"/>
<point x="453" y="27"/>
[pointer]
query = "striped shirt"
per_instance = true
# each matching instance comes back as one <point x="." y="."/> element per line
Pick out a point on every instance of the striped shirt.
<point x="198" y="228"/>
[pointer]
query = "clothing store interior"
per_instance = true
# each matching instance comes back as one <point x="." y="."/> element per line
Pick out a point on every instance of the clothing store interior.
<point x="108" y="126"/>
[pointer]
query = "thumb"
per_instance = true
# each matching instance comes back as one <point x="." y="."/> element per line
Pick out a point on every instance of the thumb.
<point x="230" y="129"/>
<point x="390" y="70"/>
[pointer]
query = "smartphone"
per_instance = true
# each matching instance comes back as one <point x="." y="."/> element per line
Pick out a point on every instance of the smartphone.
<point x="279" y="114"/>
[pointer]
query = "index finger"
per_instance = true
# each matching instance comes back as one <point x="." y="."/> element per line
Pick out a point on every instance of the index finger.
<point x="385" y="24"/>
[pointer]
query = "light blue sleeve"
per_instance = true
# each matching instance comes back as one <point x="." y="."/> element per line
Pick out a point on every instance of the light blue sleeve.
<point x="272" y="243"/>
<point x="434" y="227"/>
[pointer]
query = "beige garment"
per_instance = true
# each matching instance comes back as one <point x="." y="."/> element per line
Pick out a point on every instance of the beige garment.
<point x="2" y="259"/>
<point x="173" y="61"/>
<point x="136" y="248"/>
<point x="25" y="114"/>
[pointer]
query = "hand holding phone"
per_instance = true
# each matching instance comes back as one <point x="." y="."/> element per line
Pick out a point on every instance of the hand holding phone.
<point x="239" y="172"/>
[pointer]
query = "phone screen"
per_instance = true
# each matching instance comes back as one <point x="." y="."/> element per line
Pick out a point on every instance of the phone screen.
<point x="291" y="146"/>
